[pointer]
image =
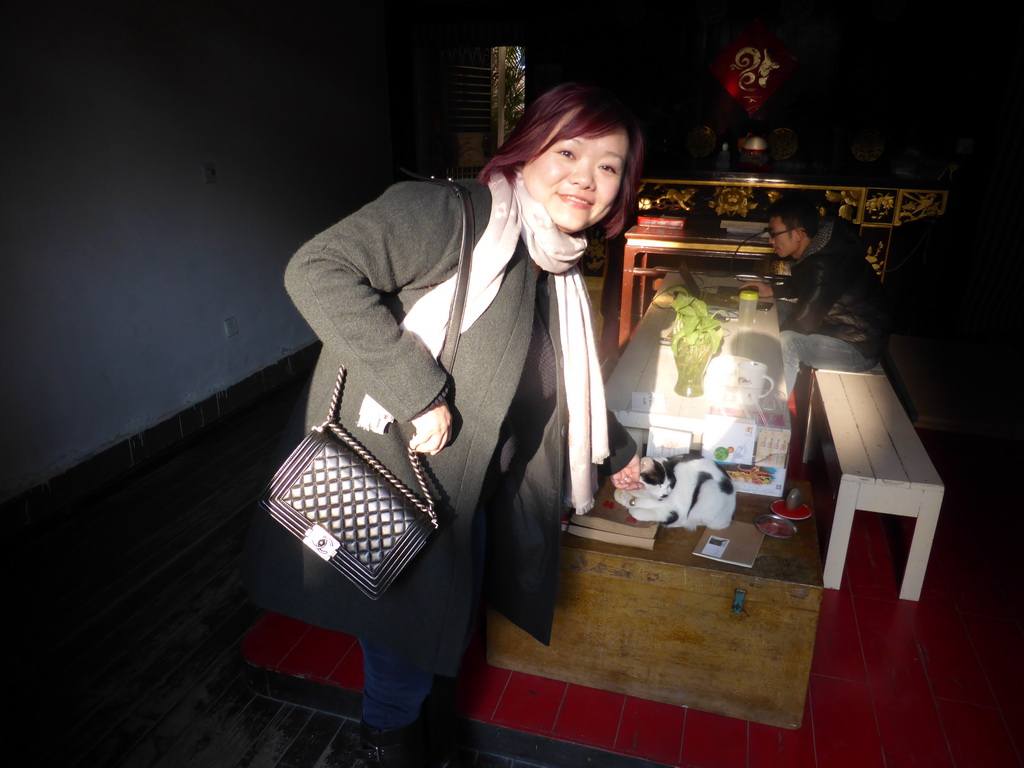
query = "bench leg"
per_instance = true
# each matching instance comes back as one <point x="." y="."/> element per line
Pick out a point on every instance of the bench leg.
<point x="921" y="546"/>
<point x="839" y="539"/>
<point x="811" y="434"/>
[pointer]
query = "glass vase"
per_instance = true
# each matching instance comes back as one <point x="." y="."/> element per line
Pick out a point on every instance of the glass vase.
<point x="691" y="365"/>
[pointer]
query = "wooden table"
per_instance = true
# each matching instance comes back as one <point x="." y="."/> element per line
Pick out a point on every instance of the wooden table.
<point x="670" y="626"/>
<point x="666" y="624"/>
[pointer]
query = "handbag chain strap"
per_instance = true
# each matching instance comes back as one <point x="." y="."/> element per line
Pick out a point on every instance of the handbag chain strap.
<point x="427" y="506"/>
<point x="446" y="359"/>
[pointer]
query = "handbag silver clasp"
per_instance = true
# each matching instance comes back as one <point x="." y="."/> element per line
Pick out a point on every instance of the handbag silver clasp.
<point x="320" y="541"/>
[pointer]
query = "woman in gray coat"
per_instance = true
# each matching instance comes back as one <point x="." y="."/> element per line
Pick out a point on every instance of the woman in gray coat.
<point x="512" y="435"/>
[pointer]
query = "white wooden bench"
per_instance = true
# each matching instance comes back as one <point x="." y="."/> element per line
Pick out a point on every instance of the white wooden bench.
<point x="881" y="463"/>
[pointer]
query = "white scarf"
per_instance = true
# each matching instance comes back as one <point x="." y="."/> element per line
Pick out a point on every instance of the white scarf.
<point x="515" y="214"/>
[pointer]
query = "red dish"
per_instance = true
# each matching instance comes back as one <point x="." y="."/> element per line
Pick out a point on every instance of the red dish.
<point x="800" y="513"/>
<point x="775" y="526"/>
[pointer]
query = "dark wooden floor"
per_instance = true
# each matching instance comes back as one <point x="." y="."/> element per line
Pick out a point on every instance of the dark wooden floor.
<point x="126" y="614"/>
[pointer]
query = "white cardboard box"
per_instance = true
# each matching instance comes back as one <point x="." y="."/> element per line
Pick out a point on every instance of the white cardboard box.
<point x="729" y="439"/>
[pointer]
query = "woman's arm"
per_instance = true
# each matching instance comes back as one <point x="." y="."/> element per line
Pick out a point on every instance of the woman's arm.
<point x="355" y="281"/>
<point x="623" y="464"/>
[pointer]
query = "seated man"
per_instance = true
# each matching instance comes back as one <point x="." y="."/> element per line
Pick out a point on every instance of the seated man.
<point x="836" y="318"/>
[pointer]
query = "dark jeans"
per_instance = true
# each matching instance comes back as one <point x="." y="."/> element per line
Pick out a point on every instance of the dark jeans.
<point x="394" y="689"/>
<point x="816" y="351"/>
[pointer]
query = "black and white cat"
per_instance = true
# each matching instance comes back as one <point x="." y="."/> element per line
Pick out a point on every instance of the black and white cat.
<point x="683" y="491"/>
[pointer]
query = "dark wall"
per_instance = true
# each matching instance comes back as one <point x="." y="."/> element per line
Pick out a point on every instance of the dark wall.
<point x="130" y="288"/>
<point x="883" y="66"/>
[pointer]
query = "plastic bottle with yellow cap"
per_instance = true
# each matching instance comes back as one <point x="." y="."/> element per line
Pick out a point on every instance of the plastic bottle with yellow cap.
<point x="748" y="307"/>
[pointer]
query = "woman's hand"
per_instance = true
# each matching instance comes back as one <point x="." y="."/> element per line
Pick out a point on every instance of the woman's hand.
<point x="628" y="478"/>
<point x="432" y="430"/>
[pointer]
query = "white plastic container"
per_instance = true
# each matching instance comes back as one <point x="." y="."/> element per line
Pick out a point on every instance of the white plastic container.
<point x="748" y="307"/>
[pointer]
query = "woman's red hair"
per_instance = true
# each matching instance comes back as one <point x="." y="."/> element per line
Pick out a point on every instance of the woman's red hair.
<point x="571" y="111"/>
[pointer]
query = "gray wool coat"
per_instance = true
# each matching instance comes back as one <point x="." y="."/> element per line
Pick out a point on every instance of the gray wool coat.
<point x="354" y="283"/>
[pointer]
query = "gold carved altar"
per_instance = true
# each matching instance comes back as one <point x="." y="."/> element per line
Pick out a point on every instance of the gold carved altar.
<point x="711" y="202"/>
<point x="875" y="208"/>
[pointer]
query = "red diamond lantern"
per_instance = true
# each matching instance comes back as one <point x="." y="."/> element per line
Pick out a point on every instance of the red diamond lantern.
<point x="754" y="66"/>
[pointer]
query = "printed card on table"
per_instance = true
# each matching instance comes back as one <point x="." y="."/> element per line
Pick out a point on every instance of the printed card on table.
<point x="647" y="402"/>
<point x="738" y="544"/>
<point x="662" y="442"/>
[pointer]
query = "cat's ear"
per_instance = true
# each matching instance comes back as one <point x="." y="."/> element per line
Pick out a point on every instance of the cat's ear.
<point x="652" y="472"/>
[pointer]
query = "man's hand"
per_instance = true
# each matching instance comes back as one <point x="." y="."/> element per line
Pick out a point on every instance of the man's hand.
<point x="763" y="289"/>
<point x="628" y="478"/>
<point x="433" y="428"/>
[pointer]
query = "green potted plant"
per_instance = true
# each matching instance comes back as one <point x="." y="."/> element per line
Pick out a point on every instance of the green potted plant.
<point x="696" y="337"/>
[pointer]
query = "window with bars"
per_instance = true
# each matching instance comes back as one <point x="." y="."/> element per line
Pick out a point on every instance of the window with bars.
<point x="483" y="96"/>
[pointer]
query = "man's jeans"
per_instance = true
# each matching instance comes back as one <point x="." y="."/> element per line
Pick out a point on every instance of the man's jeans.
<point x="819" y="351"/>
<point x="816" y="351"/>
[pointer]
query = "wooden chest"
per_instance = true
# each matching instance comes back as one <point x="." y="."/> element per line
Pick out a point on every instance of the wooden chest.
<point x="670" y="626"/>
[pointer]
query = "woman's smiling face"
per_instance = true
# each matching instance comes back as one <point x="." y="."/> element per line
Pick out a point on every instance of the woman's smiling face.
<point x="578" y="179"/>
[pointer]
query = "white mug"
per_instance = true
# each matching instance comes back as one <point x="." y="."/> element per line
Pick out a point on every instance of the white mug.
<point x="751" y="377"/>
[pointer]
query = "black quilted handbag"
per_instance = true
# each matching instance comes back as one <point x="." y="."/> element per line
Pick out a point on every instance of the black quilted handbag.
<point x="342" y="502"/>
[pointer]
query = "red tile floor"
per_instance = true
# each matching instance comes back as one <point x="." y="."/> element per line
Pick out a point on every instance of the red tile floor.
<point x="934" y="684"/>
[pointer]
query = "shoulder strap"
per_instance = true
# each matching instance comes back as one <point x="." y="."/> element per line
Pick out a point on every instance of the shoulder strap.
<point x="451" y="339"/>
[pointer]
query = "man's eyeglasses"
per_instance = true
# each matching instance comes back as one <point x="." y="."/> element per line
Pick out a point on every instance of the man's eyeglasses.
<point x="773" y="235"/>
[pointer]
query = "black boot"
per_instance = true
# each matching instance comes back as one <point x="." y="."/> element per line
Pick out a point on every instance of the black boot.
<point x="392" y="748"/>
<point x="440" y="718"/>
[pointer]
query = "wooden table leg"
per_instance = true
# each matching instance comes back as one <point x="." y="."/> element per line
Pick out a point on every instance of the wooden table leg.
<point x="629" y="257"/>
<point x="811" y="433"/>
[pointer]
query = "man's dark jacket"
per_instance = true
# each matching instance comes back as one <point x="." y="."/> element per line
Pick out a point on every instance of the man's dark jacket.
<point x="837" y="291"/>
